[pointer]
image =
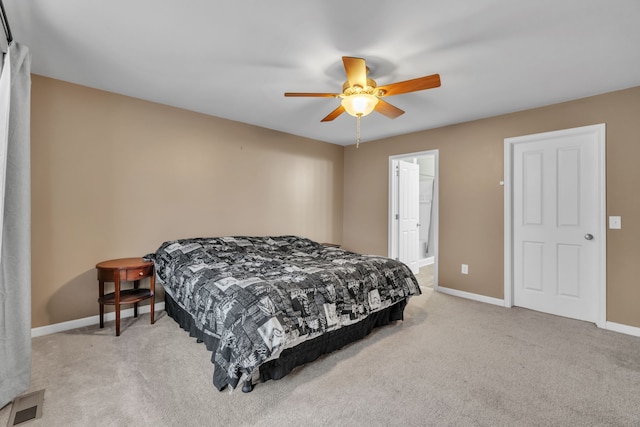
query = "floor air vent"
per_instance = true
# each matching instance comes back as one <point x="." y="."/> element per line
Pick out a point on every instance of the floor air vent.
<point x="26" y="408"/>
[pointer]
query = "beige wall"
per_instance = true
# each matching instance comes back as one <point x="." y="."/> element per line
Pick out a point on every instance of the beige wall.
<point x="114" y="177"/>
<point x="471" y="199"/>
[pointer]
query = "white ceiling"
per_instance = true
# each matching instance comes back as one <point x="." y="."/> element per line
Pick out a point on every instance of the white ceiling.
<point x="235" y="59"/>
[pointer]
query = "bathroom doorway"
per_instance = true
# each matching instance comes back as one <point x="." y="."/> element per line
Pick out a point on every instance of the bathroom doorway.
<point x="426" y="240"/>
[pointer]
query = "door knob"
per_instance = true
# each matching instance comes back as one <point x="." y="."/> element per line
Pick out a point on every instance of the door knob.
<point x="588" y="236"/>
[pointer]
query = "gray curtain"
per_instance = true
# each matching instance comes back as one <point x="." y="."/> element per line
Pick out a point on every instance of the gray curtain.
<point x="15" y="223"/>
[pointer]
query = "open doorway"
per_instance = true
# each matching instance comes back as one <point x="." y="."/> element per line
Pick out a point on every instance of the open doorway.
<point x="403" y="201"/>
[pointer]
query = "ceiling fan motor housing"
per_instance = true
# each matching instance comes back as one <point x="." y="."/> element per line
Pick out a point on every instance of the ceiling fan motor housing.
<point x="370" y="89"/>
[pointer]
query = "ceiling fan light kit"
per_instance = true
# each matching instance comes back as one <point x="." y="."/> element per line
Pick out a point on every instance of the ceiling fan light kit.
<point x="359" y="105"/>
<point x="361" y="95"/>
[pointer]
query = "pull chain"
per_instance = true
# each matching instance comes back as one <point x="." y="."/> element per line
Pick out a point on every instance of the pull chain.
<point x="358" y="130"/>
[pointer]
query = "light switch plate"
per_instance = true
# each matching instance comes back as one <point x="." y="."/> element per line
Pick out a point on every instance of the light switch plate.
<point x="615" y="222"/>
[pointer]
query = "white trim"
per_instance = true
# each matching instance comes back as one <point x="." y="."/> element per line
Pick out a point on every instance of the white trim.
<point x="89" y="321"/>
<point x="94" y="320"/>
<point x="392" y="241"/>
<point x="426" y="261"/>
<point x="508" y="225"/>
<point x="623" y="329"/>
<point x="601" y="322"/>
<point x="469" y="295"/>
<point x="610" y="326"/>
<point x="509" y="143"/>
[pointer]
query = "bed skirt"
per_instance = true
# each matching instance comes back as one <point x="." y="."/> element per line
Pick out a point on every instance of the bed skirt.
<point x="304" y="352"/>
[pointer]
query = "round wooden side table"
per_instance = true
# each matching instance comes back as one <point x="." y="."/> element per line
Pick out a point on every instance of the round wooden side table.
<point x="125" y="270"/>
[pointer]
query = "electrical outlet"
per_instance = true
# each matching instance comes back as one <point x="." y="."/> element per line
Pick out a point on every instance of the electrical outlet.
<point x="465" y="269"/>
<point x="615" y="222"/>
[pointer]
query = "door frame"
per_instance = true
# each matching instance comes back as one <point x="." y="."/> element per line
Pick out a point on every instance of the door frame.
<point x="509" y="144"/>
<point x="393" y="198"/>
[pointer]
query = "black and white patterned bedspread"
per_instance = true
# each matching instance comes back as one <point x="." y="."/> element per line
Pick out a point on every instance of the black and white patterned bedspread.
<point x="260" y="295"/>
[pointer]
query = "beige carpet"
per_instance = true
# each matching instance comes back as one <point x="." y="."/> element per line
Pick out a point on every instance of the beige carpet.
<point x="425" y="276"/>
<point x="452" y="362"/>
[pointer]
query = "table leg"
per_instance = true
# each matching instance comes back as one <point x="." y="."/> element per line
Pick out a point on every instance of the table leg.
<point x="101" y="294"/>
<point x="136" y="285"/>
<point x="152" y="286"/>
<point x="117" y="302"/>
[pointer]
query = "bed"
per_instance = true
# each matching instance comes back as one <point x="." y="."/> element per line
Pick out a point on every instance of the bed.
<point x="264" y="305"/>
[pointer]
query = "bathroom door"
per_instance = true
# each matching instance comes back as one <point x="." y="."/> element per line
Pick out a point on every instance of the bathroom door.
<point x="408" y="213"/>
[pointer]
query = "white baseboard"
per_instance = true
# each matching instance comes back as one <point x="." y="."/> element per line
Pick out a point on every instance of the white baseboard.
<point x="91" y="320"/>
<point x="425" y="261"/>
<point x="469" y="295"/>
<point x="111" y="316"/>
<point x="610" y="326"/>
<point x="623" y="329"/>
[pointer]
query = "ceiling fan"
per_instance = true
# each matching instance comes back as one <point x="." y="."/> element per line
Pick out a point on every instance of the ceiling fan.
<point x="361" y="95"/>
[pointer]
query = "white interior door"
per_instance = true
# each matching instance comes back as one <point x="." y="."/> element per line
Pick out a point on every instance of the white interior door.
<point x="408" y="214"/>
<point x="558" y="230"/>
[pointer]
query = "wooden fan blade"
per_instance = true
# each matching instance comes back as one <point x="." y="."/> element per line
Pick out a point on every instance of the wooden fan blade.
<point x="421" y="83"/>
<point x="335" y="113"/>
<point x="318" y="95"/>
<point x="387" y="109"/>
<point x="356" y="69"/>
